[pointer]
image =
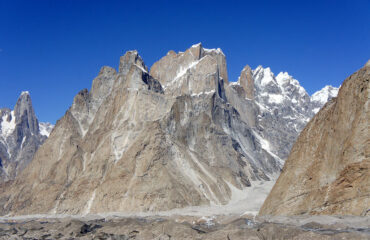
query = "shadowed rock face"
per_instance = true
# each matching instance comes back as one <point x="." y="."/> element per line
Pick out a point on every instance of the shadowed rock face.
<point x="327" y="171"/>
<point x="20" y="137"/>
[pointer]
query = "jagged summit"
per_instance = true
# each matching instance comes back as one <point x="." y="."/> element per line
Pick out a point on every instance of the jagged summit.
<point x="25" y="113"/>
<point x="247" y="82"/>
<point x="325" y="94"/>
<point x="20" y="137"/>
<point x="319" y="98"/>
<point x="199" y="45"/>
<point x="196" y="45"/>
<point x="130" y="58"/>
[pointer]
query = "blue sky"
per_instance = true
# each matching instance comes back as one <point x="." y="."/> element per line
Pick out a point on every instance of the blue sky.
<point x="55" y="48"/>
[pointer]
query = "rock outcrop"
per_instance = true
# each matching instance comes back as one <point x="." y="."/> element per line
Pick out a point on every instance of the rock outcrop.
<point x="327" y="171"/>
<point x="20" y="136"/>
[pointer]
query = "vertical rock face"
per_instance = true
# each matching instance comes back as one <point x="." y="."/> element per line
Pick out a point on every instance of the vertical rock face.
<point x="246" y="81"/>
<point x="327" y="171"/>
<point x="24" y="113"/>
<point x="20" y="137"/>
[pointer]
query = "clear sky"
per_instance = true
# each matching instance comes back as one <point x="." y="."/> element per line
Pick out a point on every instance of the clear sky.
<point x="55" y="48"/>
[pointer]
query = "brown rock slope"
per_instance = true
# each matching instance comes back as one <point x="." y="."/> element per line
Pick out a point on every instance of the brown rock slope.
<point x="327" y="171"/>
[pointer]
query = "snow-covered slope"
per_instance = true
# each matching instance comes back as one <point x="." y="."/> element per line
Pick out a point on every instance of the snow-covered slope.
<point x="20" y="136"/>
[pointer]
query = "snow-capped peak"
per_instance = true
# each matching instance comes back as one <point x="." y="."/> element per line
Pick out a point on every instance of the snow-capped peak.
<point x="208" y="50"/>
<point x="288" y="83"/>
<point x="214" y="50"/>
<point x="25" y="93"/>
<point x="325" y="94"/>
<point x="259" y="68"/>
<point x="263" y="76"/>
<point x="283" y="77"/>
<point x="196" y="45"/>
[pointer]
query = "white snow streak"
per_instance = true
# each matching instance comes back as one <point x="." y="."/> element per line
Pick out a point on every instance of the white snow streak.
<point x="182" y="70"/>
<point x="90" y="202"/>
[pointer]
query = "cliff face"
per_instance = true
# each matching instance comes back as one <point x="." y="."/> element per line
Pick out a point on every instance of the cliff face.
<point x="327" y="171"/>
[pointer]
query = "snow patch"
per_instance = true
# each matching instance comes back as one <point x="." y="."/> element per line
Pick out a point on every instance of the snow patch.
<point x="315" y="110"/>
<point x="141" y="68"/>
<point x="217" y="50"/>
<point x="282" y="78"/>
<point x="23" y="140"/>
<point x="90" y="202"/>
<point x="276" y="98"/>
<point x="195" y="45"/>
<point x="7" y="128"/>
<point x="266" y="146"/>
<point x="202" y="93"/>
<point x="45" y="128"/>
